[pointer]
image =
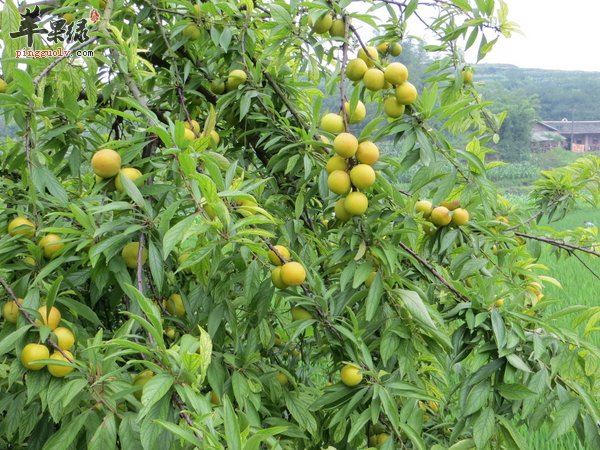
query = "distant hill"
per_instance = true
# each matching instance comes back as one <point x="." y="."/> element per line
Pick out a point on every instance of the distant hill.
<point x="561" y="94"/>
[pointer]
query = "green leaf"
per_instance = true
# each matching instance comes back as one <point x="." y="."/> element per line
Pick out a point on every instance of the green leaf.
<point x="483" y="428"/>
<point x="465" y="444"/>
<point x="175" y="234"/>
<point x="511" y="434"/>
<point x="498" y="327"/>
<point x="514" y="391"/>
<point x="518" y="363"/>
<point x="178" y="431"/>
<point x="232" y="428"/>
<point x="374" y="297"/>
<point x="68" y="432"/>
<point x="105" y="437"/>
<point x="415" y="306"/>
<point x="151" y="312"/>
<point x="565" y="417"/>
<point x="154" y="390"/>
<point x="7" y="343"/>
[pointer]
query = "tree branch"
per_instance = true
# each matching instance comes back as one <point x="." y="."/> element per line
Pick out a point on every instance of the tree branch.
<point x="434" y="272"/>
<point x="557" y="243"/>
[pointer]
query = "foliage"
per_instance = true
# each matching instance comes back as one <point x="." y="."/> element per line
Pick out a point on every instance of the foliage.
<point x="451" y="337"/>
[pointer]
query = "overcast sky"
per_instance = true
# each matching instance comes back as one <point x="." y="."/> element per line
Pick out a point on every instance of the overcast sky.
<point x="557" y="34"/>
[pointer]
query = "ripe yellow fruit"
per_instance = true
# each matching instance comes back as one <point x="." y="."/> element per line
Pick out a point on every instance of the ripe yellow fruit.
<point x="64" y="338"/>
<point x="283" y="251"/>
<point x="132" y="174"/>
<point x="51" y="244"/>
<point x="367" y="153"/>
<point x="10" y="310"/>
<point x="369" y="57"/>
<point x="293" y="273"/>
<point x="351" y="375"/>
<point x="276" y="278"/>
<point x="396" y="73"/>
<point x="356" y="203"/>
<point x="299" y="313"/>
<point x="345" y="145"/>
<point x="406" y="93"/>
<point x="214" y="138"/>
<point x="175" y="305"/>
<point x="450" y="204"/>
<point x="338" y="28"/>
<point x="374" y="79"/>
<point x="60" y="371"/>
<point x="192" y="32"/>
<point x="68" y="18"/>
<point x="188" y="135"/>
<point x="356" y="69"/>
<point x="236" y="78"/>
<point x="336" y="162"/>
<point x="193" y="125"/>
<point x="338" y="182"/>
<point x="392" y="107"/>
<point x="106" y="163"/>
<point x="370" y="279"/>
<point x="396" y="49"/>
<point x="282" y="378"/>
<point x="467" y="75"/>
<point x="323" y="24"/>
<point x="50" y="318"/>
<point x="332" y="123"/>
<point x="383" y="48"/>
<point x="424" y="206"/>
<point x="130" y="254"/>
<point x="140" y="380"/>
<point x="362" y="176"/>
<point x="340" y="211"/>
<point x="22" y="227"/>
<point x="3" y="86"/>
<point x="358" y="114"/>
<point x="460" y="216"/>
<point x="440" y="216"/>
<point x="499" y="303"/>
<point x="34" y="352"/>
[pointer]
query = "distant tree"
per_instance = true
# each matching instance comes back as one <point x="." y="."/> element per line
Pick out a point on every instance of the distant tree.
<point x="522" y="110"/>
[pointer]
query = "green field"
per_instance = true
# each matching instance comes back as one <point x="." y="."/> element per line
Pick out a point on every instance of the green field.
<point x="579" y="287"/>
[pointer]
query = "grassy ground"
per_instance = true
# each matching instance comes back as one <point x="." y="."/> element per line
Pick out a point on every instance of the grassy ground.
<point x="579" y="286"/>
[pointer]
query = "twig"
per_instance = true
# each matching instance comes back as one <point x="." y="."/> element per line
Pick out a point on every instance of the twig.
<point x="359" y="39"/>
<point x="586" y="265"/>
<point x="343" y="73"/>
<point x="290" y="106"/>
<point x="140" y="264"/>
<point x="433" y="271"/>
<point x="57" y="61"/>
<point x="557" y="243"/>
